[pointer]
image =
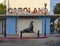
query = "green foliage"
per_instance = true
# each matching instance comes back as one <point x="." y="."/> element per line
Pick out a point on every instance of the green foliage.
<point x="56" y="9"/>
<point x="2" y="8"/>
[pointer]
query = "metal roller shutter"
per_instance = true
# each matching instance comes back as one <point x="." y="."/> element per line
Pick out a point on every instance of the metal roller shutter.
<point x="24" y="23"/>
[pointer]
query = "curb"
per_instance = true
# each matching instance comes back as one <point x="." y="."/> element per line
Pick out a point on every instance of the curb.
<point x="23" y="38"/>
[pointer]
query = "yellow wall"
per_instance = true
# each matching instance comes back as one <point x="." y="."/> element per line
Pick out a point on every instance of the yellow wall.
<point x="29" y="3"/>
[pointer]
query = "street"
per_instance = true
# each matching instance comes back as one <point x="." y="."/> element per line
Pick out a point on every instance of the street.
<point x="50" y="41"/>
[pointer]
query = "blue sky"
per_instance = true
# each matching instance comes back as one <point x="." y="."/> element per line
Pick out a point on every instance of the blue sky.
<point x="53" y="3"/>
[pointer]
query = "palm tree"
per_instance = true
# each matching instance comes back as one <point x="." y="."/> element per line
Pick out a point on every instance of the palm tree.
<point x="56" y="9"/>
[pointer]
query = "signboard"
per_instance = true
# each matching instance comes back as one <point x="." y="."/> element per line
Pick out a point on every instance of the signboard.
<point x="32" y="4"/>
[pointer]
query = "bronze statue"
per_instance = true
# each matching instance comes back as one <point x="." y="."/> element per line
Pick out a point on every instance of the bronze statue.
<point x="29" y="29"/>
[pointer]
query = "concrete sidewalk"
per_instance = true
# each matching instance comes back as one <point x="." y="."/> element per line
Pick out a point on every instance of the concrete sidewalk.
<point x="27" y="35"/>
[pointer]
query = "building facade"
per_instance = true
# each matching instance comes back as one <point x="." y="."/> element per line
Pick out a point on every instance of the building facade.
<point x="18" y="22"/>
<point x="15" y="24"/>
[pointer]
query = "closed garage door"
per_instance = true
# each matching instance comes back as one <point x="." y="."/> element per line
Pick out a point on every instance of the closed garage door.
<point x="24" y="23"/>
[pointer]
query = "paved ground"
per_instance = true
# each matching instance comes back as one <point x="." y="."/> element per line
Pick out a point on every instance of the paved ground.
<point x="27" y="35"/>
<point x="50" y="41"/>
<point x="23" y="35"/>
